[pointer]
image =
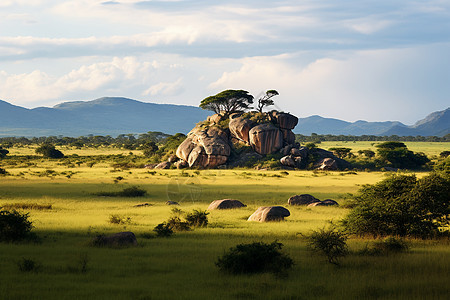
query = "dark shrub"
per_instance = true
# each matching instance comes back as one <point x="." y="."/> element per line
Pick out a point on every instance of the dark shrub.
<point x="197" y="218"/>
<point x="119" y="220"/>
<point x="163" y="230"/>
<point x="387" y="246"/>
<point x="176" y="224"/>
<point x="3" y="171"/>
<point x="49" y="151"/>
<point x="398" y="156"/>
<point x="14" y="226"/>
<point x="133" y="191"/>
<point x="330" y="242"/>
<point x="255" y="258"/>
<point x="28" y="265"/>
<point x="401" y="205"/>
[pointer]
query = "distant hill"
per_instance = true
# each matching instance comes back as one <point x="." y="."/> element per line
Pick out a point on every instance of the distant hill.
<point x="104" y="116"/>
<point x="320" y="125"/>
<point x="435" y="124"/>
<point x="114" y="116"/>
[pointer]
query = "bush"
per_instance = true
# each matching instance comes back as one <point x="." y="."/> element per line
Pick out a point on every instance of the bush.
<point x="119" y="220"/>
<point x="176" y="224"/>
<point x="330" y="242"/>
<point x="133" y="191"/>
<point x="49" y="151"/>
<point x="255" y="258"/>
<point x="28" y="265"/>
<point x="163" y="230"/>
<point x="398" y="156"/>
<point x="197" y="218"/>
<point x="401" y="205"/>
<point x="14" y="226"/>
<point x="387" y="246"/>
<point x="3" y="171"/>
<point x="3" y="152"/>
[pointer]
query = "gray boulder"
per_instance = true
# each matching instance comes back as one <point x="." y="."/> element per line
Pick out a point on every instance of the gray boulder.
<point x="225" y="204"/>
<point x="303" y="199"/>
<point x="327" y="164"/>
<point x="285" y="120"/>
<point x="269" y="213"/>
<point x="287" y="161"/>
<point x="163" y="165"/>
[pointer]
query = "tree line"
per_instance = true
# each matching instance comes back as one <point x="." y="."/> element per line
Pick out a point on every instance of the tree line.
<point x="314" y="137"/>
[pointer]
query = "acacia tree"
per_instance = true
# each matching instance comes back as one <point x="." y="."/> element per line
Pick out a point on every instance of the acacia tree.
<point x="228" y="101"/>
<point x="266" y="100"/>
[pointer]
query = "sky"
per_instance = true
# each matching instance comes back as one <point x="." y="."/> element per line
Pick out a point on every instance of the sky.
<point x="379" y="60"/>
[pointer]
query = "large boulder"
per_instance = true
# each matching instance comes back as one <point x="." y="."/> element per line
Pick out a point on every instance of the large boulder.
<point x="269" y="213"/>
<point x="285" y="120"/>
<point x="121" y="239"/>
<point x="266" y="138"/>
<point x="240" y="127"/>
<point x="197" y="157"/>
<point x="163" y="165"/>
<point x="185" y="149"/>
<point x="225" y="204"/>
<point x="303" y="199"/>
<point x="288" y="136"/>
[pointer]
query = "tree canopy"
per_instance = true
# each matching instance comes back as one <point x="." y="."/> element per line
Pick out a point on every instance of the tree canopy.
<point x="266" y="100"/>
<point x="228" y="101"/>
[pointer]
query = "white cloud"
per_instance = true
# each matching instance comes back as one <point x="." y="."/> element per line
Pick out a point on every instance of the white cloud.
<point x="165" y="89"/>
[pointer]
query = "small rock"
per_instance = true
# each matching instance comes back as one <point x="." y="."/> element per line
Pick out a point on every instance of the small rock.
<point x="163" y="165"/>
<point x="142" y="204"/>
<point x="327" y="202"/>
<point x="172" y="203"/>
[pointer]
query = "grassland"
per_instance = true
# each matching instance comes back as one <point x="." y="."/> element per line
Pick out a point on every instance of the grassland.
<point x="182" y="267"/>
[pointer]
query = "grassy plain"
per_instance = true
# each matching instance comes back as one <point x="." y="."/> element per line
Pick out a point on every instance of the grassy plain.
<point x="182" y="267"/>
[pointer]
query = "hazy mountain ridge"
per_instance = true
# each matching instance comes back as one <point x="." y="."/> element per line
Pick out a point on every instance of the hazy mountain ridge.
<point x="116" y="115"/>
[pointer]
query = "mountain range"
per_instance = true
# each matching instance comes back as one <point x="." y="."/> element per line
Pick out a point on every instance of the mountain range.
<point x="114" y="116"/>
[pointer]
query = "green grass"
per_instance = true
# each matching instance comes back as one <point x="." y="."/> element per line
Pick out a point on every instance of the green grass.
<point x="182" y="267"/>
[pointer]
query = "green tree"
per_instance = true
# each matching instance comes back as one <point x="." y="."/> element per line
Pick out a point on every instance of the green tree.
<point x="266" y="100"/>
<point x="398" y="155"/>
<point x="342" y="152"/>
<point x="228" y="101"/>
<point x="401" y="205"/>
<point x="49" y="151"/>
<point x="3" y="152"/>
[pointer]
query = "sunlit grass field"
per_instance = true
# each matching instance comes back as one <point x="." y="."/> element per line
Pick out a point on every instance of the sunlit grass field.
<point x="182" y="266"/>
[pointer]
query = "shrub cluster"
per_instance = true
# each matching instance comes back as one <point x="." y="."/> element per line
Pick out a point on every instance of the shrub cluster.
<point x="133" y="191"/>
<point x="330" y="242"/>
<point x="256" y="257"/>
<point x="14" y="226"/>
<point x="386" y="246"/>
<point x="196" y="218"/>
<point x="402" y="205"/>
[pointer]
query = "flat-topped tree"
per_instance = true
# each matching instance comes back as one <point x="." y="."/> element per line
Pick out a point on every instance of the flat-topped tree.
<point x="266" y="100"/>
<point x="228" y="101"/>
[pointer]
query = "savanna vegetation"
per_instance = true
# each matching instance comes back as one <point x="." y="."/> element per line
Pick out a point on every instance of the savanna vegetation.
<point x="388" y="238"/>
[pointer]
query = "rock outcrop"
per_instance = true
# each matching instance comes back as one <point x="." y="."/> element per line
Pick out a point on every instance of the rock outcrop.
<point x="210" y="143"/>
<point x="226" y="204"/>
<point x="269" y="213"/>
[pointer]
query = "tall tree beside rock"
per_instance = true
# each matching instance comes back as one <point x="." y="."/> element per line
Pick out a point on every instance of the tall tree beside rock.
<point x="228" y="101"/>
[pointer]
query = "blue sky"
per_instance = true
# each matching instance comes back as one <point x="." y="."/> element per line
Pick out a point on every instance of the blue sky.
<point x="349" y="59"/>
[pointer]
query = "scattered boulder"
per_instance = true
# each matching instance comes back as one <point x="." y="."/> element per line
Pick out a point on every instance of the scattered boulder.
<point x="265" y="138"/>
<point x="303" y="199"/>
<point x="269" y="213"/>
<point x="288" y="161"/>
<point x="163" y="165"/>
<point x="226" y="204"/>
<point x="327" y="164"/>
<point x="150" y="166"/>
<point x="172" y="203"/>
<point x="181" y="164"/>
<point x="327" y="202"/>
<point x="121" y="239"/>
